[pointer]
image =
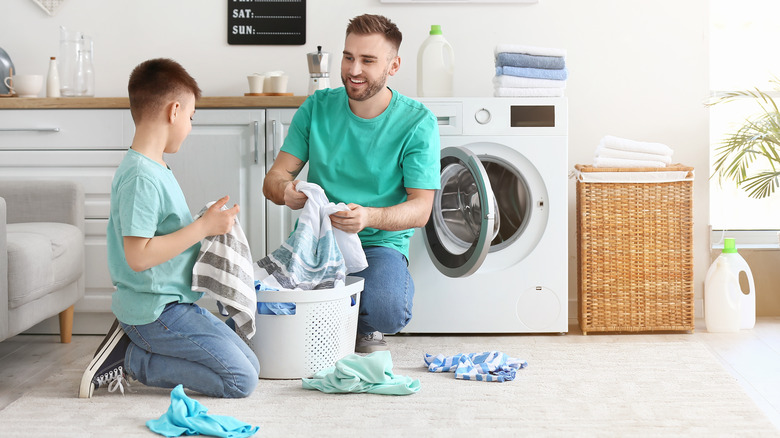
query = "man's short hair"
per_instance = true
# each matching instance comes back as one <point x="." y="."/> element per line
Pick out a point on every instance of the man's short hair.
<point x="156" y="82"/>
<point x="369" y="24"/>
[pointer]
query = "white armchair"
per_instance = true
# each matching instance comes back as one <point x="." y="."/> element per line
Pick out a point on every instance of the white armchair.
<point x="41" y="254"/>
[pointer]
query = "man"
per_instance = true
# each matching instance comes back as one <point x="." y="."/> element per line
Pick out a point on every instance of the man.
<point x="377" y="151"/>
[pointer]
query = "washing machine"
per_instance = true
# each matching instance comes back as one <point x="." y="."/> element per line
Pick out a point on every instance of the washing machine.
<point x="493" y="257"/>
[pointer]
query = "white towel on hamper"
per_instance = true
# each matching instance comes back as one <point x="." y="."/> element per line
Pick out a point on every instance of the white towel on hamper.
<point x="635" y="146"/>
<point x="527" y="92"/>
<point x="607" y="152"/>
<point x="529" y="50"/>
<point x="620" y="162"/>
<point x="223" y="270"/>
<point x="507" y="81"/>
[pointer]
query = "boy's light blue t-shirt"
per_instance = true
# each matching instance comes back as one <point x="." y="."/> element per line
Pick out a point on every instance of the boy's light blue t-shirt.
<point x="146" y="201"/>
<point x="369" y="162"/>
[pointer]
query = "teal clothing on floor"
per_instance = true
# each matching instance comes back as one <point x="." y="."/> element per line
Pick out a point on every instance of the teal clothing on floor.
<point x="372" y="373"/>
<point x="186" y="416"/>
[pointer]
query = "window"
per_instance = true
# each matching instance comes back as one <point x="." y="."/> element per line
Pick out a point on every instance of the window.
<point x="744" y="54"/>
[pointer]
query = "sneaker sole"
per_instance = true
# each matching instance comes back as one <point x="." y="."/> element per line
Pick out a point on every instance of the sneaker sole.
<point x="86" y="388"/>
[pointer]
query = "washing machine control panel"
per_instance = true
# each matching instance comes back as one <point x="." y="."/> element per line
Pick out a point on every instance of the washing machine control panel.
<point x="499" y="115"/>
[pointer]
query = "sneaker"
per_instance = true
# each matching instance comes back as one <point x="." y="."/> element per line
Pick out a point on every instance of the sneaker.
<point x="107" y="366"/>
<point x="370" y="342"/>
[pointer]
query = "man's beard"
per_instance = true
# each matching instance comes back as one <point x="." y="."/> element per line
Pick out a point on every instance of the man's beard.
<point x="370" y="90"/>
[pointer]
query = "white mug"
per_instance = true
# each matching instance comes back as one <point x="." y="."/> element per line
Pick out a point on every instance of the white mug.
<point x="25" y="85"/>
<point x="275" y="84"/>
<point x="256" y="83"/>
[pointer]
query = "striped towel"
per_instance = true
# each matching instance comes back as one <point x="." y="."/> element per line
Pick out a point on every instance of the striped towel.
<point x="490" y="366"/>
<point x="315" y="256"/>
<point x="224" y="271"/>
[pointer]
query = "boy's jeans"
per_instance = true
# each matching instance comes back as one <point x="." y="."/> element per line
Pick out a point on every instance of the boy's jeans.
<point x="386" y="300"/>
<point x="189" y="345"/>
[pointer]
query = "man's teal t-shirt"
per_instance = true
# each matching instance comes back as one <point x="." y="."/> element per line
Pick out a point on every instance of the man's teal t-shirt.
<point x="146" y="201"/>
<point x="369" y="162"/>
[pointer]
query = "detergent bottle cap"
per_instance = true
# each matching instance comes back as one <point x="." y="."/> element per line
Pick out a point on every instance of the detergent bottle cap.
<point x="435" y="29"/>
<point x="729" y="246"/>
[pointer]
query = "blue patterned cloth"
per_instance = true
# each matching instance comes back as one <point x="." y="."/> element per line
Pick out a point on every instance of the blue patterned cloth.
<point x="490" y="366"/>
<point x="186" y="416"/>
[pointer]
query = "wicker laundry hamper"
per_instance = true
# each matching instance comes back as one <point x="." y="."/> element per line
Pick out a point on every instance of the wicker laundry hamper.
<point x="635" y="249"/>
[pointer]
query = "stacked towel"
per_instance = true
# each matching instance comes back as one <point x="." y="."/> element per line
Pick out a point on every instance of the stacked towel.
<point x="316" y="255"/>
<point x="224" y="271"/>
<point x="621" y="152"/>
<point x="527" y="71"/>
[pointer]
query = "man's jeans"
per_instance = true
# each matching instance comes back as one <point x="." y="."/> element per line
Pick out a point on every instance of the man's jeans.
<point x="386" y="300"/>
<point x="189" y="345"/>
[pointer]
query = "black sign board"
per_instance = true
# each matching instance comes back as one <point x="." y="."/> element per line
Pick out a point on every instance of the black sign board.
<point x="269" y="22"/>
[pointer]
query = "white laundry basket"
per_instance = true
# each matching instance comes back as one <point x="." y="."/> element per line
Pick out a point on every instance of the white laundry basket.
<point x="322" y="330"/>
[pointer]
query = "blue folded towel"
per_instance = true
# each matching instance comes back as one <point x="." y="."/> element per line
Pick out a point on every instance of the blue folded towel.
<point x="537" y="73"/>
<point x="530" y="61"/>
<point x="186" y="416"/>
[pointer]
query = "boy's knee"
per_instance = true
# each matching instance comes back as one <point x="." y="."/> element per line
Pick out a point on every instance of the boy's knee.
<point x="244" y="384"/>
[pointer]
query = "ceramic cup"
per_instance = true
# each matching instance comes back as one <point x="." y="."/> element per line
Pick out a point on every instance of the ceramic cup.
<point x="256" y="83"/>
<point x="25" y="85"/>
<point x="275" y="84"/>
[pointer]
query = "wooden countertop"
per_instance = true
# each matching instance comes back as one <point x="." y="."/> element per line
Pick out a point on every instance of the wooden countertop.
<point x="123" y="102"/>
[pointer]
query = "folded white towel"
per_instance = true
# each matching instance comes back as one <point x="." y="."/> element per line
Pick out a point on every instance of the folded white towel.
<point x="636" y="146"/>
<point x="507" y="81"/>
<point x="607" y="152"/>
<point x="527" y="92"/>
<point x="529" y="50"/>
<point x="620" y="162"/>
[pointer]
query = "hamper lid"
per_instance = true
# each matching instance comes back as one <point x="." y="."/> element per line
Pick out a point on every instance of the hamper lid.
<point x="671" y="173"/>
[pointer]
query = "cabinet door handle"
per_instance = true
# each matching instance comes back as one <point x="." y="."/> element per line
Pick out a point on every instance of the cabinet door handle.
<point x="257" y="140"/>
<point x="276" y="143"/>
<point x="30" y="129"/>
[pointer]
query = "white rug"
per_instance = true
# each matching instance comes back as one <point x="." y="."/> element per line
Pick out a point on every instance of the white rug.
<point x="573" y="386"/>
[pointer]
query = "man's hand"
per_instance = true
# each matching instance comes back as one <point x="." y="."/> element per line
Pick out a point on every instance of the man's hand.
<point x="217" y="221"/>
<point x="353" y="220"/>
<point x="292" y="197"/>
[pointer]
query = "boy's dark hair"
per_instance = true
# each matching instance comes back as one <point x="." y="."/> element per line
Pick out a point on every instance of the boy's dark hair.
<point x="155" y="82"/>
<point x="368" y="24"/>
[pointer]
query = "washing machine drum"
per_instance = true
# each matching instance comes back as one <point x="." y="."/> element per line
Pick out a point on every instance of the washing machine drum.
<point x="464" y="219"/>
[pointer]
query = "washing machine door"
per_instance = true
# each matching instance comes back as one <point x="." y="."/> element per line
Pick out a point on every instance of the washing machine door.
<point x="464" y="218"/>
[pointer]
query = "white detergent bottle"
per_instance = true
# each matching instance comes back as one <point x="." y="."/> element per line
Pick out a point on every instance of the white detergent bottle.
<point x="721" y="299"/>
<point x="739" y="265"/>
<point x="435" y="66"/>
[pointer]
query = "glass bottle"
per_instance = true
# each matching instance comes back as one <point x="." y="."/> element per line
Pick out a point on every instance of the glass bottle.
<point x="53" y="79"/>
<point x="85" y="71"/>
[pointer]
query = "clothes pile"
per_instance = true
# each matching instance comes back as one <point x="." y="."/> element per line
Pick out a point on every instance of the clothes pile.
<point x="527" y="71"/>
<point x="620" y="152"/>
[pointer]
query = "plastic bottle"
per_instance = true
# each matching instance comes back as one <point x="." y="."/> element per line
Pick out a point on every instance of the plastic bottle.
<point x="738" y="265"/>
<point x="435" y="66"/>
<point x="721" y="299"/>
<point x="53" y="79"/>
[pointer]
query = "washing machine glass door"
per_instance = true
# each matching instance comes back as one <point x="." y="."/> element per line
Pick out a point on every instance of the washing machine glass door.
<point x="464" y="218"/>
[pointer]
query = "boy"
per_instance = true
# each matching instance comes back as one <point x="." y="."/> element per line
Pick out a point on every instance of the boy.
<point x="161" y="337"/>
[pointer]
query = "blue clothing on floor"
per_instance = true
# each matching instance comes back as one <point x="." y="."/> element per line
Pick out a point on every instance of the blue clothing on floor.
<point x="491" y="366"/>
<point x="186" y="416"/>
<point x="190" y="346"/>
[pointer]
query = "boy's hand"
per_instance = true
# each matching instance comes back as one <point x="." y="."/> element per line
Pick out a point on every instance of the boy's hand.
<point x="218" y="221"/>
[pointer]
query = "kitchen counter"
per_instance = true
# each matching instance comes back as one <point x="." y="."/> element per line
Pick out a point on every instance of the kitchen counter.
<point x="123" y="102"/>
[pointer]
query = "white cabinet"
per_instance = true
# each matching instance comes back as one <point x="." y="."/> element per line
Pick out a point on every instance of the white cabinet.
<point x="228" y="152"/>
<point x="80" y="145"/>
